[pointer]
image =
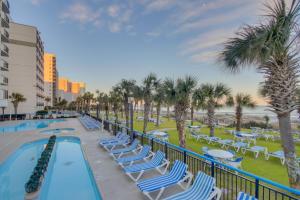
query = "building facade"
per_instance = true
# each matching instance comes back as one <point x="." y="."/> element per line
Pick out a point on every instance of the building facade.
<point x="69" y="90"/>
<point x="4" y="40"/>
<point x="26" y="67"/>
<point x="50" y="78"/>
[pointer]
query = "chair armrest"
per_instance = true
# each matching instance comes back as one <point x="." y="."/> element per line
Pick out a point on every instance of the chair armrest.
<point x="216" y="194"/>
<point x="188" y="177"/>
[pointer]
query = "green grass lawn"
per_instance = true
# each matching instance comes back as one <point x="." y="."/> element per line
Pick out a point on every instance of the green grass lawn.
<point x="271" y="169"/>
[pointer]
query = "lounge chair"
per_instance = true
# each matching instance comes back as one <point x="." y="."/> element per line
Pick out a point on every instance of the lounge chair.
<point x="256" y="150"/>
<point x="225" y="143"/>
<point x="212" y="139"/>
<point x="203" y="188"/>
<point x="117" y="138"/>
<point x="276" y="154"/>
<point x="133" y="148"/>
<point x="142" y="155"/>
<point x="238" y="145"/>
<point x="176" y="176"/>
<point x="195" y="135"/>
<point x="244" y="196"/>
<point x="158" y="162"/>
<point x="204" y="150"/>
<point x="122" y="142"/>
<point x="236" y="162"/>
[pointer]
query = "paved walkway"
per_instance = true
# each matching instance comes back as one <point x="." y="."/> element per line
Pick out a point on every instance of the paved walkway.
<point x="113" y="184"/>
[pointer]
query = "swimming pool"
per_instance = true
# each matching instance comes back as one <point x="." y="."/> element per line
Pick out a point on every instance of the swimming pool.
<point x="68" y="176"/>
<point x="29" y="125"/>
<point x="57" y="131"/>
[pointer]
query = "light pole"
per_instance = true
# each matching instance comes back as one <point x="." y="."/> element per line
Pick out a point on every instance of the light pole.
<point x="130" y="102"/>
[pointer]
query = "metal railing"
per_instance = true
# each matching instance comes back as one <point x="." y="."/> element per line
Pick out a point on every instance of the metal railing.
<point x="231" y="180"/>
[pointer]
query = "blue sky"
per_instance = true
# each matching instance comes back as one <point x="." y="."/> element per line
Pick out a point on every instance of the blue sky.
<point x="103" y="41"/>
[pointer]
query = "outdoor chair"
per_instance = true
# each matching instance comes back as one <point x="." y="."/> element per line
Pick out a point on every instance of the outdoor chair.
<point x="142" y="155"/>
<point x="276" y="154"/>
<point x="244" y="196"/>
<point x="133" y="148"/>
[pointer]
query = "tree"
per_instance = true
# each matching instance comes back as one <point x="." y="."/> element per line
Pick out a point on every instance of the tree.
<point x="149" y="85"/>
<point x="138" y="96"/>
<point x="79" y="102"/>
<point x="106" y="105"/>
<point x="87" y="97"/>
<point x="181" y="96"/>
<point x="267" y="119"/>
<point x="239" y="101"/>
<point x="47" y="99"/>
<point x="115" y="99"/>
<point x="15" y="99"/>
<point x="210" y="97"/>
<point x="270" y="47"/>
<point x="126" y="90"/>
<point x="169" y="92"/>
<point x="159" y="98"/>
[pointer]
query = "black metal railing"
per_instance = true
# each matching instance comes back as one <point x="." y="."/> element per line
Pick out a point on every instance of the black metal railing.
<point x="230" y="180"/>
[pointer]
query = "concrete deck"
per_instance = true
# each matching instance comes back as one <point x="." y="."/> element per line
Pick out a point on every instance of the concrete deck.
<point x="113" y="184"/>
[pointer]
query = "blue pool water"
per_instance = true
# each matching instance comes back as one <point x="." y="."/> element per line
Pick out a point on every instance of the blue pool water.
<point x="57" y="131"/>
<point x="29" y="125"/>
<point x="68" y="175"/>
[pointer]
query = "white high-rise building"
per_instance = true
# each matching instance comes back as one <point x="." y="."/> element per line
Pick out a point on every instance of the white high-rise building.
<point x="26" y="67"/>
<point x="4" y="66"/>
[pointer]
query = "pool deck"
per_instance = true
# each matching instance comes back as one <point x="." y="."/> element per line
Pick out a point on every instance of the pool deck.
<point x="113" y="184"/>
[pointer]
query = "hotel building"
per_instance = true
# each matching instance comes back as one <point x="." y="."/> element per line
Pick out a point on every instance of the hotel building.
<point x="26" y="67"/>
<point x="4" y="66"/>
<point x="69" y="90"/>
<point x="50" y="78"/>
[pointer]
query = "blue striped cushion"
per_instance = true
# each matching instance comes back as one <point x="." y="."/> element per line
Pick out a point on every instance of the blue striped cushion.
<point x="132" y="147"/>
<point x="177" y="172"/>
<point x="244" y="196"/>
<point x="155" y="162"/>
<point x="201" y="189"/>
<point x="145" y="151"/>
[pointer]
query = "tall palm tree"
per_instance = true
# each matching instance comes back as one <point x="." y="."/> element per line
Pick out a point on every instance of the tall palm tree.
<point x="181" y="93"/>
<point x="15" y="99"/>
<point x="270" y="46"/>
<point x="138" y="97"/>
<point x="169" y="92"/>
<point x="149" y="85"/>
<point x="126" y="88"/>
<point x="210" y="97"/>
<point x="105" y="101"/>
<point x="159" y="98"/>
<point x="239" y="101"/>
<point x="194" y="106"/>
<point x="87" y="97"/>
<point x="116" y="101"/>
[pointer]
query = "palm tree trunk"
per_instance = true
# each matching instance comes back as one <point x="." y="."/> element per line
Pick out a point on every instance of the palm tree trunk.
<point x="192" y="115"/>
<point x="168" y="112"/>
<point x="211" y="116"/>
<point x="181" y="134"/>
<point x="152" y="110"/>
<point x="16" y="111"/>
<point x="146" y="114"/>
<point x="288" y="145"/>
<point x="157" y="114"/>
<point x="106" y="112"/>
<point x="238" y="115"/>
<point x="126" y="108"/>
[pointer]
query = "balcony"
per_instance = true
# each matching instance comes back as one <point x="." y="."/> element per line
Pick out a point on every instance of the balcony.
<point x="3" y="65"/>
<point x="4" y="50"/>
<point x="4" y="20"/>
<point x="4" y="35"/>
<point x="5" y="6"/>
<point x="3" y="103"/>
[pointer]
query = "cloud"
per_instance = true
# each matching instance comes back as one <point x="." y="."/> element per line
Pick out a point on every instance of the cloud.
<point x="81" y="13"/>
<point x="153" y="34"/>
<point x="158" y="5"/>
<point x="113" y="10"/>
<point x="36" y="2"/>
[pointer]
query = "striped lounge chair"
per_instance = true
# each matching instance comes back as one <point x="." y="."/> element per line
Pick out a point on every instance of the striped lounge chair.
<point x="158" y="162"/>
<point x="244" y="196"/>
<point x="276" y="154"/>
<point x="124" y="141"/>
<point x="114" y="138"/>
<point x="133" y="148"/>
<point x="176" y="176"/>
<point x="203" y="188"/>
<point x="142" y="155"/>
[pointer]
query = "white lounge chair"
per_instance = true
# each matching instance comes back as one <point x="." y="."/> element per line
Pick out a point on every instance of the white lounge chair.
<point x="256" y="150"/>
<point x="276" y="154"/>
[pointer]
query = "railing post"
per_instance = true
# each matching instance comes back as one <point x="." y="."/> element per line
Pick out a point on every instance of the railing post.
<point x="212" y="169"/>
<point x="152" y="144"/>
<point x="184" y="157"/>
<point x="166" y="150"/>
<point x="256" y="188"/>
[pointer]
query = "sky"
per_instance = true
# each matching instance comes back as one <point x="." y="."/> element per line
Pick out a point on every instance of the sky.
<point x="101" y="42"/>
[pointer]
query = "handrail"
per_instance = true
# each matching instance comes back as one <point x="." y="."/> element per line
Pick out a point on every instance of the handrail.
<point x="257" y="178"/>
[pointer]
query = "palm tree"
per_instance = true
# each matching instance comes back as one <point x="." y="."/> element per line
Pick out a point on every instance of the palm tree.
<point x="87" y="97"/>
<point x="106" y="105"/>
<point x="169" y="95"/>
<point x="115" y="99"/>
<point x="210" y="97"/>
<point x="182" y="91"/>
<point x="267" y="119"/>
<point x="194" y="105"/>
<point x="271" y="46"/>
<point x="79" y="101"/>
<point x="138" y="96"/>
<point x="47" y="99"/>
<point x="241" y="100"/>
<point x="126" y="88"/>
<point x="16" y="98"/>
<point x="149" y="85"/>
<point x="159" y="98"/>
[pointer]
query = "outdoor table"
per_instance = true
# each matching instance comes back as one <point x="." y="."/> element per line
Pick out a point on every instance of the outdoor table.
<point x="220" y="154"/>
<point x="161" y="135"/>
<point x="246" y="135"/>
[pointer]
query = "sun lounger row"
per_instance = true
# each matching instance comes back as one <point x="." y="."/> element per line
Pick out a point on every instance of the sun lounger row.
<point x="141" y="159"/>
<point x="89" y="123"/>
